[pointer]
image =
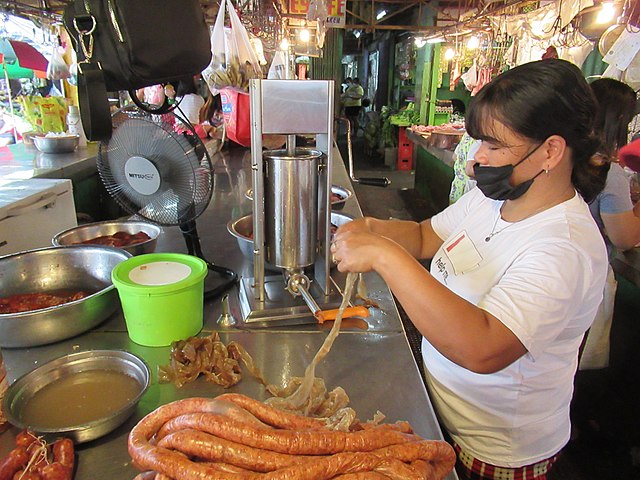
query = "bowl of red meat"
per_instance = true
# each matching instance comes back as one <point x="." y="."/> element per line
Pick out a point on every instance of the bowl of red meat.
<point x="134" y="236"/>
<point x="55" y="293"/>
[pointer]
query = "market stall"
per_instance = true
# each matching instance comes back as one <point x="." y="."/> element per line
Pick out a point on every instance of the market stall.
<point x="379" y="351"/>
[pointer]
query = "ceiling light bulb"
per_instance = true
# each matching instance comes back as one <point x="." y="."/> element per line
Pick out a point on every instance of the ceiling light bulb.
<point x="356" y="33"/>
<point x="473" y="42"/>
<point x="284" y="44"/>
<point x="305" y="35"/>
<point x="419" y="42"/>
<point x="449" y="54"/>
<point x="606" y="14"/>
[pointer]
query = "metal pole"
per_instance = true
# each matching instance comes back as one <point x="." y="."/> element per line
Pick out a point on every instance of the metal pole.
<point x="13" y="117"/>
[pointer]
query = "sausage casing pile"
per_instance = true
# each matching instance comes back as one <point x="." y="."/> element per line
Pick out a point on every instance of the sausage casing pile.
<point x="237" y="437"/>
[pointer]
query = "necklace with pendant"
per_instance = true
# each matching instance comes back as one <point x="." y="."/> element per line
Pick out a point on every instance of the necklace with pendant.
<point x="493" y="230"/>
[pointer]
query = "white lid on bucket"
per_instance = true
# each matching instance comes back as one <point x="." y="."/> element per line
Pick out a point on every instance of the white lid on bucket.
<point x="159" y="273"/>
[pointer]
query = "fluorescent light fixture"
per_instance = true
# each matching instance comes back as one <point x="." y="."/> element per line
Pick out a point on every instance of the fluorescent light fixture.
<point x="435" y="40"/>
<point x="305" y="35"/>
<point x="356" y="33"/>
<point x="606" y="14"/>
<point x="381" y="14"/>
<point x="473" y="42"/>
<point x="449" y="54"/>
<point x="419" y="42"/>
<point x="284" y="44"/>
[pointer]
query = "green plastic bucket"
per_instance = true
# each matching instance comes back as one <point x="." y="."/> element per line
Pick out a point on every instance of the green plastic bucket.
<point x="162" y="296"/>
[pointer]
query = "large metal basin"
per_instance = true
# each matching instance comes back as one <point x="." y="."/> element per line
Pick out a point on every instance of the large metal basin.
<point x="79" y="267"/>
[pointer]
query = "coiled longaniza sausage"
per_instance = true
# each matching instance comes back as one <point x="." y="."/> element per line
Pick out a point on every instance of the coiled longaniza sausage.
<point x="296" y="442"/>
<point x="271" y="416"/>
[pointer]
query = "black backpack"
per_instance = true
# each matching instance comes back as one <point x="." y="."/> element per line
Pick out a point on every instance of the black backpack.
<point x="131" y="44"/>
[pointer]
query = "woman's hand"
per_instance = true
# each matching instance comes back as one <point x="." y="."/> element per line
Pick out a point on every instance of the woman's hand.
<point x="358" y="250"/>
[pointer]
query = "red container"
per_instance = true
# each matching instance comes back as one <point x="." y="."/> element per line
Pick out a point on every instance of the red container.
<point x="405" y="150"/>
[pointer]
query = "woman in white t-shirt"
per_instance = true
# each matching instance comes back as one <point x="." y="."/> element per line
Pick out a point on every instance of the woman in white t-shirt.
<point x="189" y="101"/>
<point x="517" y="272"/>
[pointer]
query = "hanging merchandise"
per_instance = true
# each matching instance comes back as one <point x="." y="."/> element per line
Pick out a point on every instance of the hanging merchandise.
<point x="236" y="113"/>
<point x="278" y="68"/>
<point x="124" y="45"/>
<point x="319" y="12"/>
<point x="57" y="68"/>
<point x="234" y="61"/>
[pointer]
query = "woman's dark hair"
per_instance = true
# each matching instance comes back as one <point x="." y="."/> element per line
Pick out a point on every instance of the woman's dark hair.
<point x="616" y="109"/>
<point x="185" y="87"/>
<point x="540" y="99"/>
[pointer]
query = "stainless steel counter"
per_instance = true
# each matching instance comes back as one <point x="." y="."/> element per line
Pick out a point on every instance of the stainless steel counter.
<point x="375" y="366"/>
<point x="21" y="162"/>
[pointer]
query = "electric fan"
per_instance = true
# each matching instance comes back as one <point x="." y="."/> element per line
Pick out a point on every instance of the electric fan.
<point x="156" y="167"/>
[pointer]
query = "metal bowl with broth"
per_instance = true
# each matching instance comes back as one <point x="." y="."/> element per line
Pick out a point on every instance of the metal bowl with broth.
<point x="242" y="230"/>
<point x="85" y="268"/>
<point x="93" y="232"/>
<point x="66" y="396"/>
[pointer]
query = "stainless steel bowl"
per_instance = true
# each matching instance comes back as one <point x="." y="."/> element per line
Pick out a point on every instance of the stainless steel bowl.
<point x="56" y="144"/>
<point x="79" y="267"/>
<point x="89" y="231"/>
<point x="344" y="194"/>
<point x="24" y="388"/>
<point x="242" y="230"/>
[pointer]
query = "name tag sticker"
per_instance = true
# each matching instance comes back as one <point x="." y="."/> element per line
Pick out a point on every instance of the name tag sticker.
<point x="462" y="253"/>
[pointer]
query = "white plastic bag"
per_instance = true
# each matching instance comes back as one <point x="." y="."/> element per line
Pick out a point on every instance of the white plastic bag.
<point x="57" y="68"/>
<point x="278" y="68"/>
<point x="233" y="61"/>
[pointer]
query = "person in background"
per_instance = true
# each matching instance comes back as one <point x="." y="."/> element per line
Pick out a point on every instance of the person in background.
<point x="352" y="101"/>
<point x="463" y="167"/>
<point x="189" y="101"/>
<point x="615" y="214"/>
<point x="613" y="211"/>
<point x="211" y="118"/>
<point x="517" y="272"/>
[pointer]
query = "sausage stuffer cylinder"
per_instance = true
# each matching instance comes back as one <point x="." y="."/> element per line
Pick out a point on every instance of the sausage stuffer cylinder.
<point x="291" y="207"/>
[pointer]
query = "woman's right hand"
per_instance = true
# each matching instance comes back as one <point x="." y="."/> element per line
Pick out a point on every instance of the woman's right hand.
<point x="357" y="225"/>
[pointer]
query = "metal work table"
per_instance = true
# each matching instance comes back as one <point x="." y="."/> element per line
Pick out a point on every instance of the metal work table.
<point x="375" y="366"/>
<point x="21" y="162"/>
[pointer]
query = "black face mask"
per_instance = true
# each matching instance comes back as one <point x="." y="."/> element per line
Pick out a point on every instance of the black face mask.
<point x="494" y="181"/>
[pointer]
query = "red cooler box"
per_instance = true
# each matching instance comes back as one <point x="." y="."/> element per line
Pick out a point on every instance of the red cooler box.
<point x="405" y="150"/>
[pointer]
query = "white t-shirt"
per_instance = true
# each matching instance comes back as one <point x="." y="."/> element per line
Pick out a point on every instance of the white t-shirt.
<point x="543" y="278"/>
<point x="189" y="107"/>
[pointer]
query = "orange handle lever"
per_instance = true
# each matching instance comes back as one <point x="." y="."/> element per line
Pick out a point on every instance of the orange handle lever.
<point x="357" y="311"/>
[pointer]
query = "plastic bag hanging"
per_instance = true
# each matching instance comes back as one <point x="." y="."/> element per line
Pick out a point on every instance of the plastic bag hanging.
<point x="319" y="12"/>
<point x="234" y="62"/>
<point x="57" y="68"/>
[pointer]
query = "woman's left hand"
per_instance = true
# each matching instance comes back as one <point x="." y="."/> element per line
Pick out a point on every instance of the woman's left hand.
<point x="358" y="250"/>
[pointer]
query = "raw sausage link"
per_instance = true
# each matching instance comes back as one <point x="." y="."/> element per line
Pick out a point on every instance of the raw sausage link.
<point x="306" y="442"/>
<point x="56" y="471"/>
<point x="63" y="452"/>
<point x="273" y="416"/>
<point x="14" y="461"/>
<point x="194" y="443"/>
<point x="440" y="454"/>
<point x="22" y="475"/>
<point x="25" y="438"/>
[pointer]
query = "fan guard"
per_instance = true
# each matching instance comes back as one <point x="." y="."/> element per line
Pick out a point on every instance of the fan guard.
<point x="156" y="167"/>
